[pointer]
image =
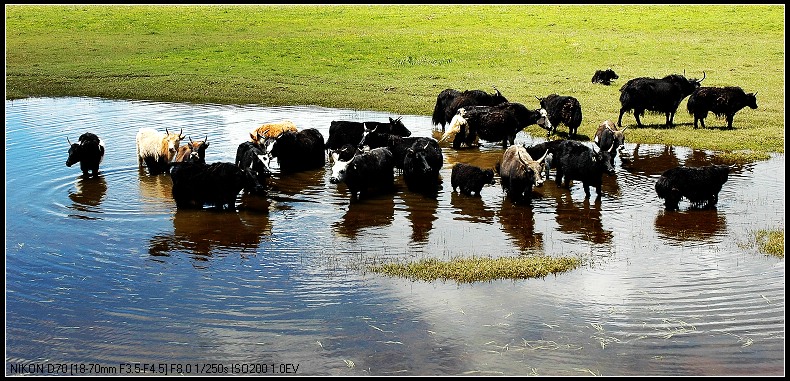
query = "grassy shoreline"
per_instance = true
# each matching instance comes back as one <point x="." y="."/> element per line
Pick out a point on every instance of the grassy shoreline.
<point x="398" y="58"/>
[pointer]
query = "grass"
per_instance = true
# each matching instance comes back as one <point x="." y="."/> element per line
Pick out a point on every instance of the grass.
<point x="771" y="242"/>
<point x="398" y="58"/>
<point x="478" y="269"/>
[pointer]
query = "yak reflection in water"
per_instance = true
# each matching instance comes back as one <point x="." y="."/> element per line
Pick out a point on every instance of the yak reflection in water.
<point x="581" y="218"/>
<point x="651" y="162"/>
<point x="374" y="211"/>
<point x="470" y="208"/>
<point x="694" y="224"/>
<point x="518" y="221"/>
<point x="422" y="214"/>
<point x="88" y="195"/>
<point x="206" y="232"/>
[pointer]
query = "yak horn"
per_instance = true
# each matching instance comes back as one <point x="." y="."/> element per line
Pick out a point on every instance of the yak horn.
<point x="180" y="135"/>
<point x="166" y="132"/>
<point x="67" y="139"/>
<point x="703" y="77"/>
<point x="190" y="140"/>
<point x="544" y="156"/>
<point x="611" y="148"/>
<point x="521" y="158"/>
<point x="426" y="145"/>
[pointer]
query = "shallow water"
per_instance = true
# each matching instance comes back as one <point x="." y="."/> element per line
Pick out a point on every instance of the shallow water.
<point x="107" y="272"/>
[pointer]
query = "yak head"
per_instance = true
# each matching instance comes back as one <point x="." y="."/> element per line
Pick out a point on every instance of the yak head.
<point x="170" y="143"/>
<point x="751" y="100"/>
<point x="602" y="159"/>
<point x="535" y="166"/>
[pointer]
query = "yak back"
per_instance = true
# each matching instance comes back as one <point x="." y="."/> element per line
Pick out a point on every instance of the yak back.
<point x="299" y="151"/>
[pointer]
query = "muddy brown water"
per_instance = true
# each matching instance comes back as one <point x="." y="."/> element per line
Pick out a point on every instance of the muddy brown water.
<point x="106" y="272"/>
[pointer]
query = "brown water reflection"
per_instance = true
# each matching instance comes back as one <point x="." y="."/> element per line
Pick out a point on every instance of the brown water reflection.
<point x="682" y="226"/>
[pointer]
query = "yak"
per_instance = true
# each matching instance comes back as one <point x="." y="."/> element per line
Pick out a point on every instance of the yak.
<point x="194" y="151"/>
<point x="700" y="185"/>
<point x="721" y="101"/>
<point x="609" y="138"/>
<point x="89" y="152"/>
<point x="218" y="184"/>
<point x="562" y="109"/>
<point x="658" y="95"/>
<point x="498" y="123"/>
<point x="574" y="160"/>
<point x="299" y="151"/>
<point x="604" y="77"/>
<point x="422" y="164"/>
<point x="519" y="172"/>
<point x="271" y="130"/>
<point x="398" y="145"/>
<point x="450" y="100"/>
<point x="367" y="172"/>
<point x="252" y="157"/>
<point x="470" y="179"/>
<point x="157" y="149"/>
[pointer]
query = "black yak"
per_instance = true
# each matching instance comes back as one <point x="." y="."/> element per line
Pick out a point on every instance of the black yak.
<point x="422" y="164"/>
<point x="656" y="95"/>
<point x="574" y="160"/>
<point x="498" y="123"/>
<point x="89" y="152"/>
<point x="196" y="184"/>
<point x="450" y="100"/>
<point x="604" y="77"/>
<point x="721" y="101"/>
<point x="470" y="179"/>
<point x="699" y="185"/>
<point x="299" y="151"/>
<point x="398" y="145"/>
<point x="251" y="156"/>
<point x="368" y="172"/>
<point x="562" y="109"/>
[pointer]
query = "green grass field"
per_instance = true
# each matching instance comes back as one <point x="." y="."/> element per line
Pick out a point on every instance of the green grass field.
<point x="398" y="58"/>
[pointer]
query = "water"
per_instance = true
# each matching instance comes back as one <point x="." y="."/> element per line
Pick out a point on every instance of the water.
<point x="107" y="273"/>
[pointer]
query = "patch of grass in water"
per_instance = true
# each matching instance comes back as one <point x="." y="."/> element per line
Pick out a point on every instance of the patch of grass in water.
<point x="476" y="269"/>
<point x="771" y="242"/>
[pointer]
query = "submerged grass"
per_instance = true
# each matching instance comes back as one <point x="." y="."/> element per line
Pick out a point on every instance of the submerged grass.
<point x="476" y="269"/>
<point x="771" y="242"/>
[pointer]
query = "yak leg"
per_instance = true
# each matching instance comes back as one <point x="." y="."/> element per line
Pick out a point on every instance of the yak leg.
<point x="729" y="120"/>
<point x="620" y="119"/>
<point x="636" y="115"/>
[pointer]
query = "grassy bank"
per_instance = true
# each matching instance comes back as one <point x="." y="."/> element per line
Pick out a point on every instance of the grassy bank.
<point x="398" y="58"/>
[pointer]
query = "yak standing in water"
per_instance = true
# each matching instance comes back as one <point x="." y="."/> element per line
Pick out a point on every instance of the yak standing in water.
<point x="422" y="164"/>
<point x="700" y="185"/>
<point x="450" y="100"/>
<point x="89" y="152"/>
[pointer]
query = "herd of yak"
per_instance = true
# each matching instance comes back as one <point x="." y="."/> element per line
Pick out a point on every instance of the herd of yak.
<point x="366" y="156"/>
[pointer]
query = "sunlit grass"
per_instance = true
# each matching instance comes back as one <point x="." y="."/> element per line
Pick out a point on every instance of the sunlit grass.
<point x="477" y="269"/>
<point x="771" y="242"/>
<point x="397" y="58"/>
